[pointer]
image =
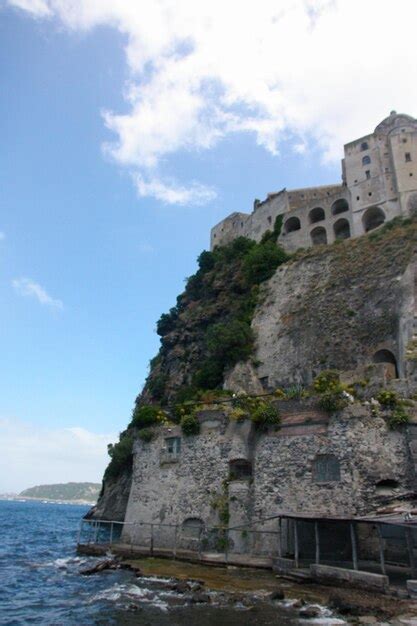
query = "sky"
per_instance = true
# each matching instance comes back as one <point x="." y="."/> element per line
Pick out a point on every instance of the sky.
<point x="128" y="130"/>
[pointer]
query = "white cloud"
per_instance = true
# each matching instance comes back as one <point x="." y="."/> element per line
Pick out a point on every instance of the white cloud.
<point x="319" y="72"/>
<point x="30" y="455"/>
<point x="171" y="192"/>
<point x="28" y="288"/>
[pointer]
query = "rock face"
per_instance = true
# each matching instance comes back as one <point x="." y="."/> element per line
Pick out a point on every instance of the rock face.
<point x="336" y="308"/>
<point x="112" y="502"/>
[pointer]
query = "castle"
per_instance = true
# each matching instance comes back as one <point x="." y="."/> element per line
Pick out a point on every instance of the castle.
<point x="379" y="182"/>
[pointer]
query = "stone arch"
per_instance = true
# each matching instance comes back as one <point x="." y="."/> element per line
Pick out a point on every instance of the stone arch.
<point x="316" y="215"/>
<point x="372" y="218"/>
<point x="340" y="206"/>
<point x="341" y="229"/>
<point x="192" y="527"/>
<point x="318" y="236"/>
<point x="388" y="358"/>
<point x="240" y="469"/>
<point x="292" y="224"/>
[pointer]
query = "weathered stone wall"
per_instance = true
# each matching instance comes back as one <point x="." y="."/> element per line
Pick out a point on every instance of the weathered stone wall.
<point x="195" y="484"/>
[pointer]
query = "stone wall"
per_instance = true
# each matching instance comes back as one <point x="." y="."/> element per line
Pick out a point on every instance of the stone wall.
<point x="196" y="484"/>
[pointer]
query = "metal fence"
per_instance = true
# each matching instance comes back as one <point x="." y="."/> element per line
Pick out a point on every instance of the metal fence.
<point x="258" y="540"/>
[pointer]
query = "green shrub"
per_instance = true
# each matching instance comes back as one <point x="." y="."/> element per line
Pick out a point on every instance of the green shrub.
<point x="230" y="342"/>
<point x="398" y="417"/>
<point x="387" y="398"/>
<point x="157" y="384"/>
<point x="328" y="380"/>
<point x="145" y="415"/>
<point x="206" y="261"/>
<point x="190" y="424"/>
<point x="262" y="260"/>
<point x="166" y="322"/>
<point x="210" y="375"/>
<point x="333" y="400"/>
<point x="146" y="435"/>
<point x="265" y="414"/>
<point x="121" y="458"/>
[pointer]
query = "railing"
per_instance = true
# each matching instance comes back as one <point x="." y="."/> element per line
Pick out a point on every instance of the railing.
<point x="173" y="539"/>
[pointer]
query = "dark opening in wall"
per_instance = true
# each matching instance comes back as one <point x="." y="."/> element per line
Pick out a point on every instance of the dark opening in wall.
<point x="192" y="527"/>
<point x="341" y="229"/>
<point x="340" y="206"/>
<point x="326" y="468"/>
<point x="387" y="357"/>
<point x="316" y="215"/>
<point x="292" y="224"/>
<point x="364" y="146"/>
<point x="318" y="236"/>
<point x="372" y="218"/>
<point x="366" y="160"/>
<point x="240" y="469"/>
<point x="386" y="485"/>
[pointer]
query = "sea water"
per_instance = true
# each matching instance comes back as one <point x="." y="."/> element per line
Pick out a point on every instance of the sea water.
<point x="40" y="581"/>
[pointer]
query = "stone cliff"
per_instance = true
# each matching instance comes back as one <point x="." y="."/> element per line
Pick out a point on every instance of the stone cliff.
<point x="343" y="306"/>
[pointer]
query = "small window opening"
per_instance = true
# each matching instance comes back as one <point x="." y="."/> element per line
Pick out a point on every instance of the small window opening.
<point x="369" y="193"/>
<point x="366" y="160"/>
<point x="326" y="468"/>
<point x="364" y="146"/>
<point x="357" y="197"/>
<point x="240" y="469"/>
<point x="269" y="219"/>
<point x="368" y="174"/>
<point x="173" y="445"/>
<point x="407" y="157"/>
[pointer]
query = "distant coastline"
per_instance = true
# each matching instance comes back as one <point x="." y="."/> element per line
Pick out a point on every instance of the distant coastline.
<point x="59" y="493"/>
<point x="17" y="498"/>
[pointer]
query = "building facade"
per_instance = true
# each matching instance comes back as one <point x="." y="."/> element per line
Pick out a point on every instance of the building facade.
<point x="379" y="182"/>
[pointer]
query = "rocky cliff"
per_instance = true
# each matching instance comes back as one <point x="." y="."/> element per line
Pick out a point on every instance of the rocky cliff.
<point x="253" y="319"/>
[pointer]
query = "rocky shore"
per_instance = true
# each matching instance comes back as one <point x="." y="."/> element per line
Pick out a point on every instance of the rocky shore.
<point x="194" y="584"/>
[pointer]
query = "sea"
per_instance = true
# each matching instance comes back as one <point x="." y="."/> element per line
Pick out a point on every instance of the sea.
<point x="41" y="583"/>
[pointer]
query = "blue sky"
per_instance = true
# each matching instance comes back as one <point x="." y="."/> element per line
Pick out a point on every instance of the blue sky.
<point x="89" y="256"/>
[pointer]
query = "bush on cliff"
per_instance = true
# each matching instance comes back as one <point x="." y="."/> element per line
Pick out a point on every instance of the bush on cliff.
<point x="121" y="456"/>
<point x="190" y="424"/>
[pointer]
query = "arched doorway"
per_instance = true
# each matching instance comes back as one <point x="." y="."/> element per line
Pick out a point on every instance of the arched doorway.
<point x="387" y="357"/>
<point x="341" y="229"/>
<point x="318" y="236"/>
<point x="292" y="224"/>
<point x="340" y="206"/>
<point x="372" y="218"/>
<point x="316" y="215"/>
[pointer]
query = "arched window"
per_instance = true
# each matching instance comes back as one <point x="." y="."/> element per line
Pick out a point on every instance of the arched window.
<point x="366" y="160"/>
<point x="340" y="206"/>
<point x="192" y="527"/>
<point x="316" y="215"/>
<point x="387" y="357"/>
<point x="318" y="236"/>
<point x="364" y="146"/>
<point x="326" y="468"/>
<point x="292" y="224"/>
<point x="341" y="229"/>
<point x="372" y="218"/>
<point x="240" y="469"/>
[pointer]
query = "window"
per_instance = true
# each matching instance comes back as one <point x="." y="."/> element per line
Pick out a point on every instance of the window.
<point x="173" y="445"/>
<point x="368" y="174"/>
<point x="240" y="469"/>
<point x="341" y="229"/>
<point x="269" y="219"/>
<point x="316" y="215"/>
<point x="407" y="157"/>
<point x="340" y="206"/>
<point x="366" y="160"/>
<point x="292" y="224"/>
<point x="326" y="468"/>
<point x="364" y="146"/>
<point x="358" y="198"/>
<point x="372" y="218"/>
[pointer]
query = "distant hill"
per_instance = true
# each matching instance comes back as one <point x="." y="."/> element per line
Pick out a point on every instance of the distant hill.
<point x="68" y="492"/>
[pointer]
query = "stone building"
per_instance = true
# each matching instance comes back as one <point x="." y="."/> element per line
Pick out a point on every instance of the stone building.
<point x="379" y="182"/>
